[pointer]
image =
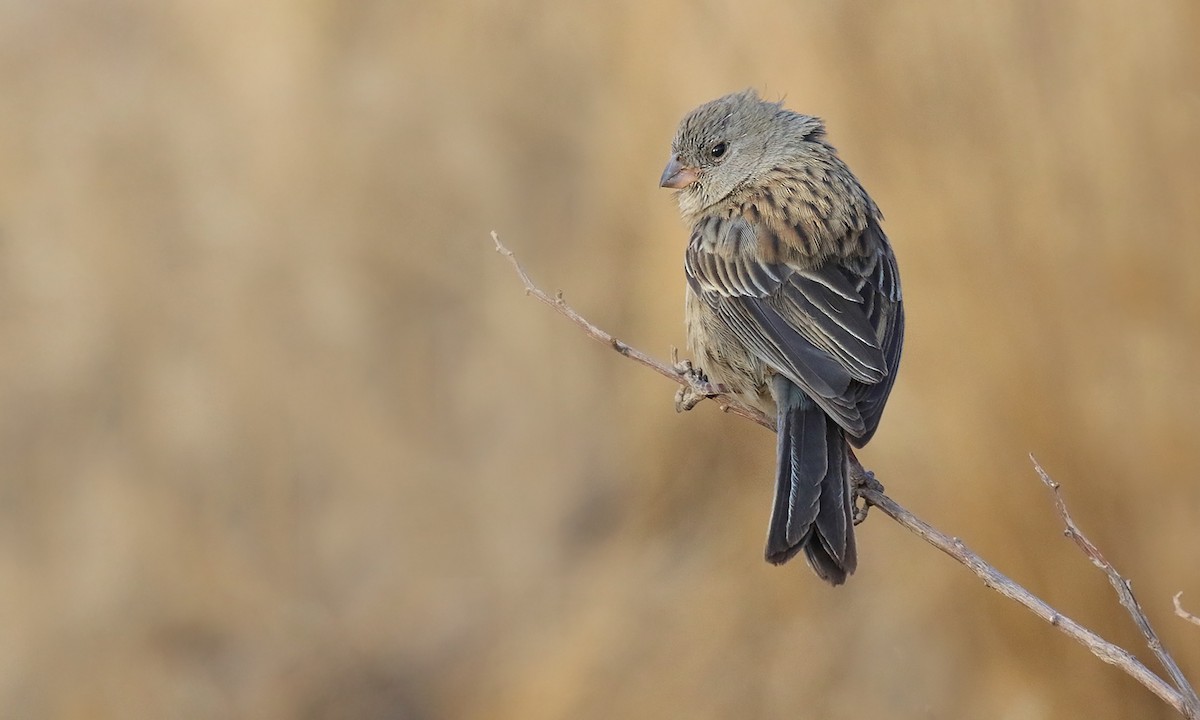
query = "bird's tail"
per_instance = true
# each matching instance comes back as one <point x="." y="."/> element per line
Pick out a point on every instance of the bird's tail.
<point x="813" y="505"/>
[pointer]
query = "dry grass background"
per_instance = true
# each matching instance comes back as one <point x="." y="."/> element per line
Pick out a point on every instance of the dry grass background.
<point x="282" y="438"/>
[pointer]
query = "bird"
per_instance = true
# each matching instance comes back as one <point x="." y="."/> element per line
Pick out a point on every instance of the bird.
<point x="793" y="304"/>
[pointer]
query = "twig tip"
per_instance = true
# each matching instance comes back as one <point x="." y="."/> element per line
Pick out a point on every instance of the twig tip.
<point x="1181" y="611"/>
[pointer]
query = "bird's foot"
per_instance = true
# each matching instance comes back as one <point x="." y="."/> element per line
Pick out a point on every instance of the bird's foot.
<point x="862" y="479"/>
<point x="698" y="389"/>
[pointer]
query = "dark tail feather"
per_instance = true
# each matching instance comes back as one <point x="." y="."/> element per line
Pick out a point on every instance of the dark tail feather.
<point x="812" y="510"/>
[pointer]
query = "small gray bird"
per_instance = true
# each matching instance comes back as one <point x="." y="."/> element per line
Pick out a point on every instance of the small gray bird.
<point x="793" y="304"/>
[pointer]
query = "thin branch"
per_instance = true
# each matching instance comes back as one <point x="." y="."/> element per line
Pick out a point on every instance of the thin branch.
<point x="1184" y="613"/>
<point x="727" y="402"/>
<point x="1182" y="697"/>
<point x="1001" y="583"/>
<point x="1123" y="588"/>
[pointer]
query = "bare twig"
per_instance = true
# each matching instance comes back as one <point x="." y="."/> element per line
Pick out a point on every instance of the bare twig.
<point x="1184" y="613"/>
<point x="727" y="402"/>
<point x="1001" y="583"/>
<point x="1124" y="591"/>
<point x="1180" y="696"/>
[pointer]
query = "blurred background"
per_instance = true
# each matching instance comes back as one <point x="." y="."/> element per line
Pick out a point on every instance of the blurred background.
<point x="281" y="436"/>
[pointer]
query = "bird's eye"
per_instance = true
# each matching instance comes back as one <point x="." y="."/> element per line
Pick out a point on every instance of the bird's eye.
<point x="718" y="150"/>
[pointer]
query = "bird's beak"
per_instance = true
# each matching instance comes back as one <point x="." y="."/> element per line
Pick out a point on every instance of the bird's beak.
<point x="678" y="176"/>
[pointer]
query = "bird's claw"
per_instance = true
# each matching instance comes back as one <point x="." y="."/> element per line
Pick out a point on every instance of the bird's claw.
<point x="862" y="479"/>
<point x="698" y="388"/>
<point x="687" y="398"/>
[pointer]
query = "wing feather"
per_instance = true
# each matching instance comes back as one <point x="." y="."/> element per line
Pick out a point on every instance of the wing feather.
<point x="835" y="330"/>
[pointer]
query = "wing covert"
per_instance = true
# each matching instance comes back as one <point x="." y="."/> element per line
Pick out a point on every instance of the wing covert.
<point x="834" y="330"/>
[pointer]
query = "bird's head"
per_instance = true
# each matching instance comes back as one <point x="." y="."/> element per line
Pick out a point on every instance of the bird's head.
<point x="728" y="143"/>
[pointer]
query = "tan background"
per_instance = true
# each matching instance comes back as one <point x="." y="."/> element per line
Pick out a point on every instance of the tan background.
<point x="282" y="438"/>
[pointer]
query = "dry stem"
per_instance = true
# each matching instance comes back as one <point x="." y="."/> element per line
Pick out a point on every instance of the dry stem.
<point x="1184" y="613"/>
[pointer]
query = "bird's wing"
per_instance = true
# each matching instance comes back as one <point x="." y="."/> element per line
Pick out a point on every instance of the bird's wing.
<point x="829" y="329"/>
<point x="878" y="282"/>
